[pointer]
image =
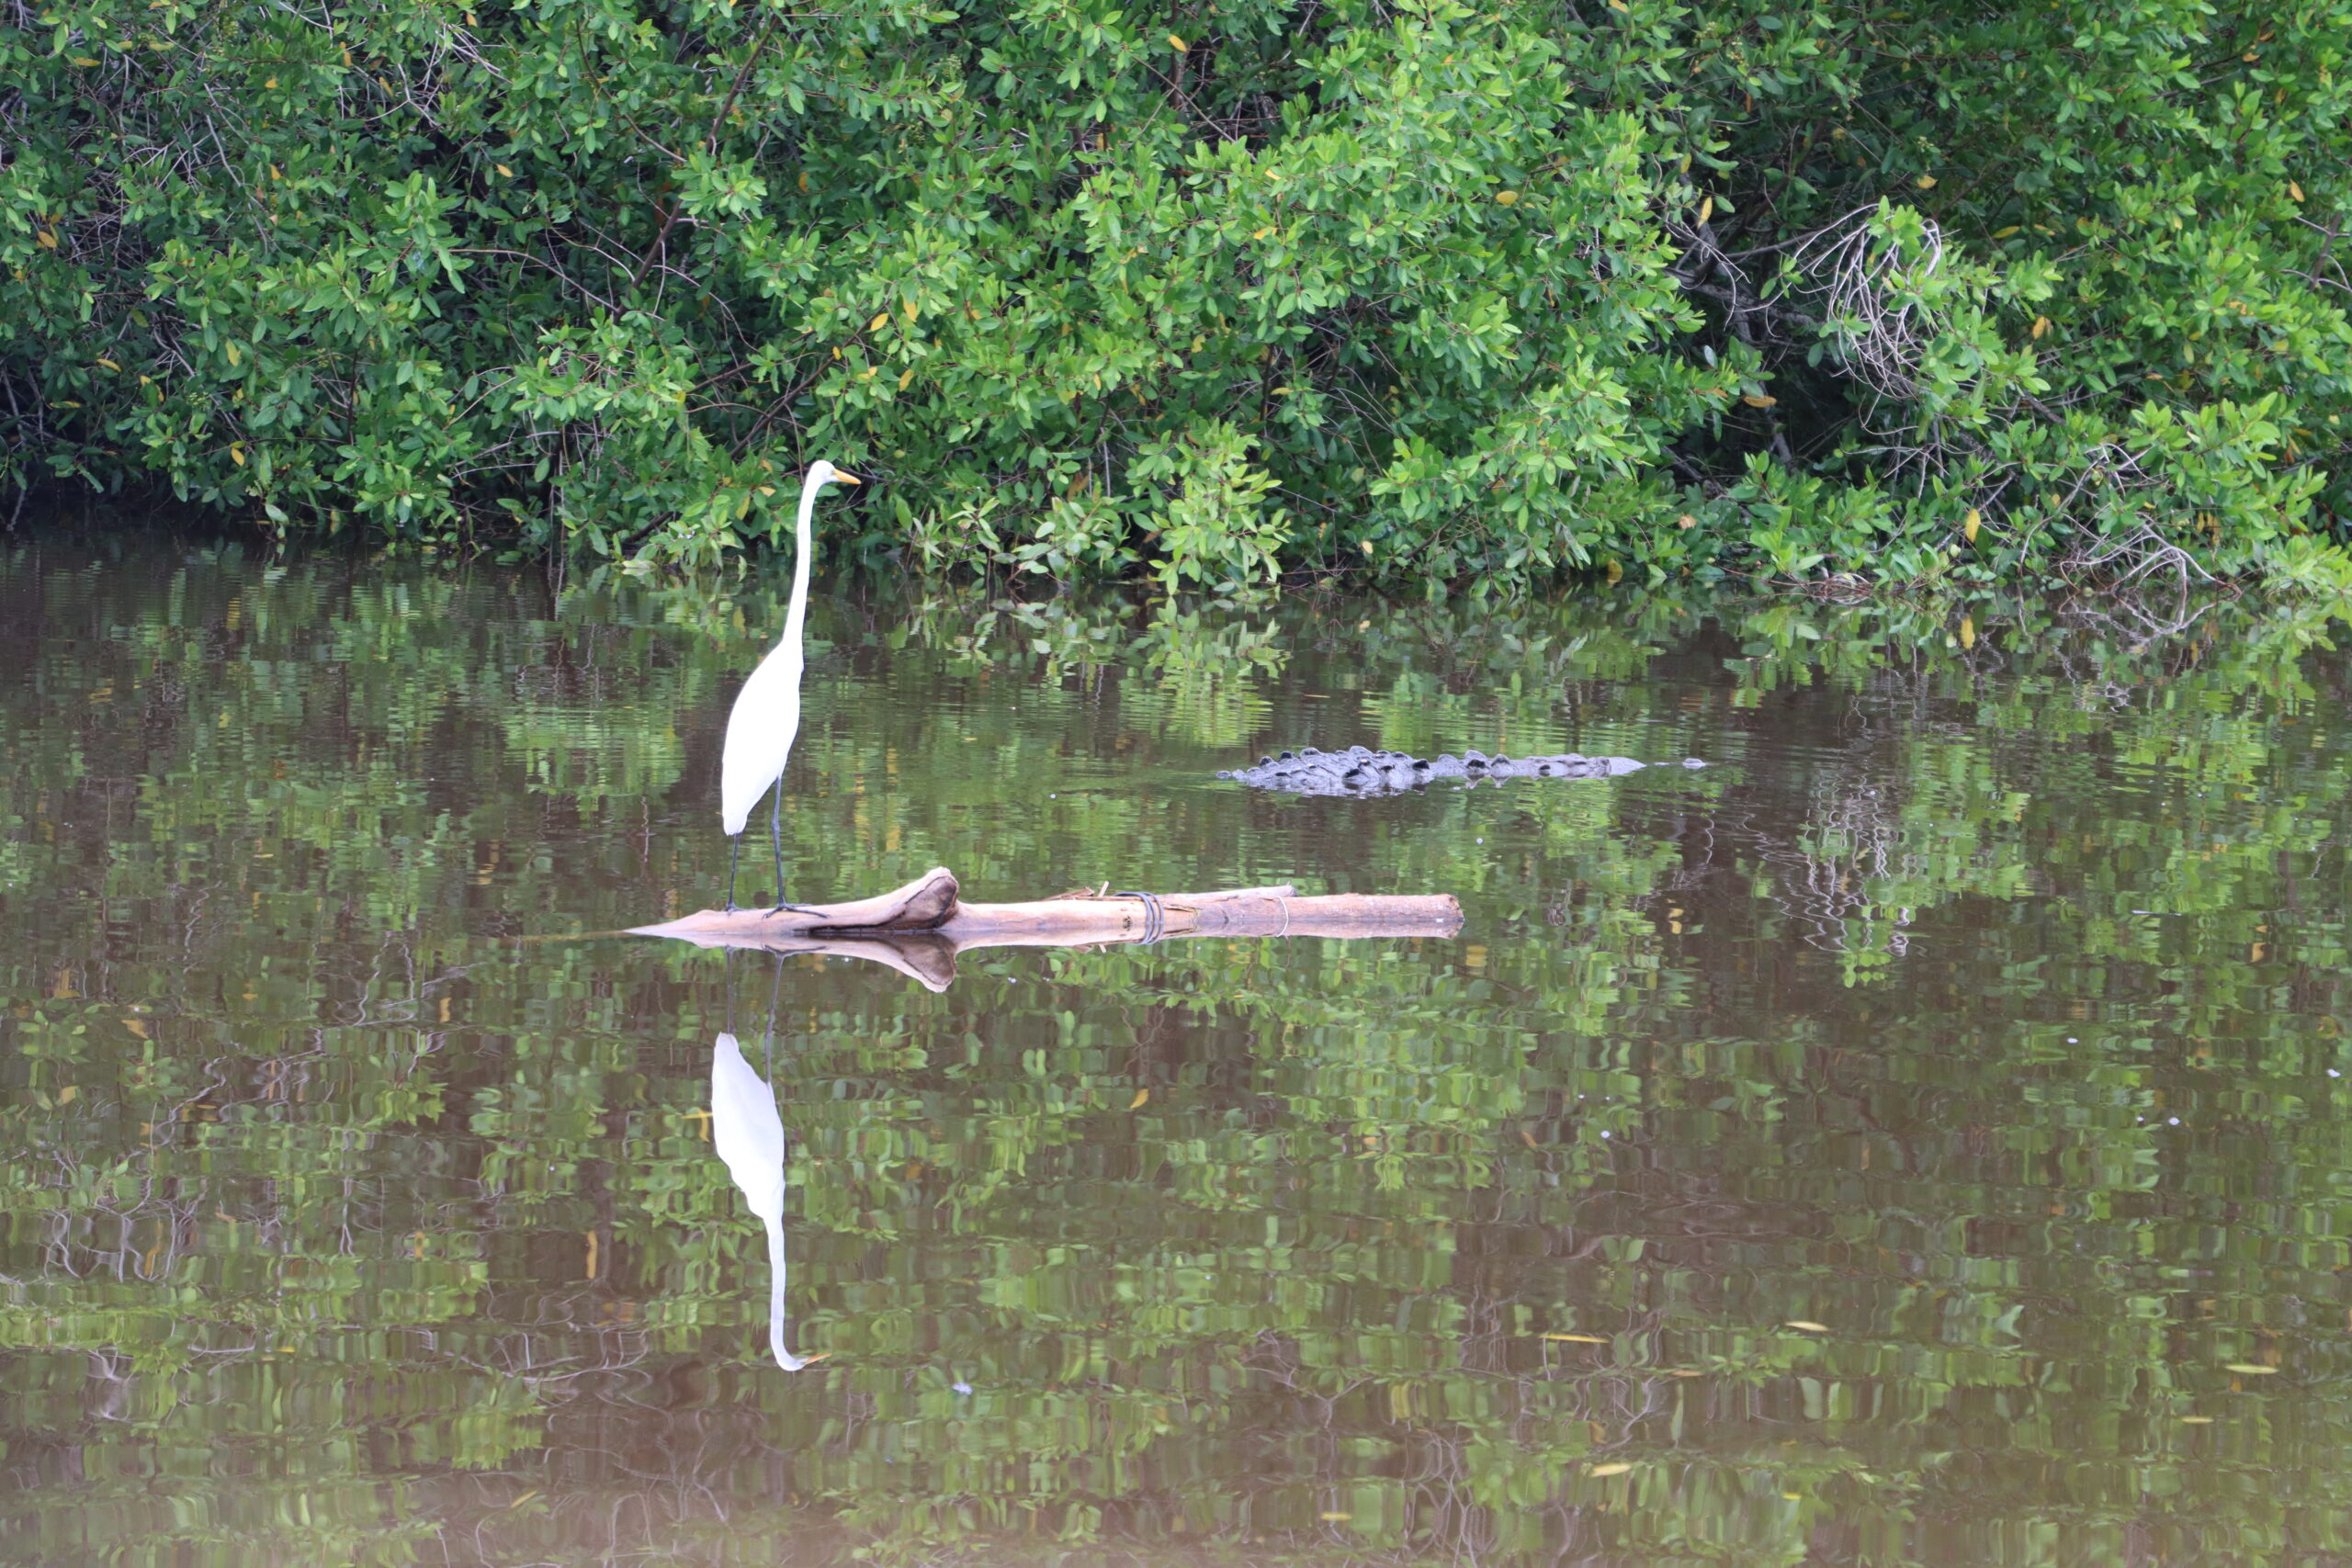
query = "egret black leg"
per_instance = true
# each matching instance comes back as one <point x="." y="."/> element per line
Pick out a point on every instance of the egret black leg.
<point x="775" y="993"/>
<point x="775" y="842"/>
<point x="734" y="853"/>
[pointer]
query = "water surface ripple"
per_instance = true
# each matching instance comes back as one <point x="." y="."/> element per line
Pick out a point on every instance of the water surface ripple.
<point x="1919" y="1136"/>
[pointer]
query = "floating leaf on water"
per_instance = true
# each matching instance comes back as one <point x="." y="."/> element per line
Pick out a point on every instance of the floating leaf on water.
<point x="1578" y="1338"/>
<point x="1609" y="1470"/>
<point x="1141" y="1094"/>
<point x="2197" y="1420"/>
<point x="1333" y="1518"/>
<point x="1807" y="1324"/>
<point x="2249" y="1369"/>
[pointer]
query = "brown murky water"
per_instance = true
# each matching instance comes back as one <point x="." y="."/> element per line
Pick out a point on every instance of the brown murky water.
<point x="1918" y="1137"/>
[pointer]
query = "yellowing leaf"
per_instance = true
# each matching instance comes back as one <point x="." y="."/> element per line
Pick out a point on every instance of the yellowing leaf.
<point x="1578" y="1338"/>
<point x="1686" y="521"/>
<point x="271" y="83"/>
<point x="878" y="322"/>
<point x="2040" y="325"/>
<point x="231" y="350"/>
<point x="1968" y="631"/>
<point x="1609" y="1470"/>
<point x="1971" y="524"/>
<point x="2249" y="1369"/>
<point x="108" y="363"/>
<point x="503" y="171"/>
<point x="2294" y="190"/>
<point x="907" y="308"/>
<point x="237" y="455"/>
<point x="1806" y="1325"/>
<point x="1177" y="43"/>
<point x="804" y="179"/>
<point x="1263" y="233"/>
<point x="1758" y="401"/>
<point x="1706" y="209"/>
<point x="1141" y="1094"/>
<point x="79" y="61"/>
<point x="1505" y="197"/>
<point x="2005" y="233"/>
<point x="906" y="378"/>
<point x="48" y="237"/>
<point x="1925" y="182"/>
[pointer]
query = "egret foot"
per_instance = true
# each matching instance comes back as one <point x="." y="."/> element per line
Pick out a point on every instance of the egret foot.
<point x="793" y="908"/>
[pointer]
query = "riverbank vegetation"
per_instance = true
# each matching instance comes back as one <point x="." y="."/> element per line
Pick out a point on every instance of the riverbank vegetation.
<point x="1242" y="286"/>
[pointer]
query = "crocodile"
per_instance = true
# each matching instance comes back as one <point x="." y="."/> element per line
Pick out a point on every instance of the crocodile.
<point x="1359" y="771"/>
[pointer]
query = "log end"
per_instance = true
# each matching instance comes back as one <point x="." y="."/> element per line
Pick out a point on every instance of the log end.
<point x="921" y="905"/>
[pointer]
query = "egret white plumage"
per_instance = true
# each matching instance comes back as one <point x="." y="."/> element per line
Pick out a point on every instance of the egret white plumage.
<point x="749" y="1133"/>
<point x="766" y="717"/>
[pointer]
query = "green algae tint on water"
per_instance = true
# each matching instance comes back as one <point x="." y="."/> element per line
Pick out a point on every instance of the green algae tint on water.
<point x="1918" y="1136"/>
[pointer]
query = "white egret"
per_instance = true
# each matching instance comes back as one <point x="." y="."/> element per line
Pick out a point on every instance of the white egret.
<point x="749" y="1133"/>
<point x="766" y="715"/>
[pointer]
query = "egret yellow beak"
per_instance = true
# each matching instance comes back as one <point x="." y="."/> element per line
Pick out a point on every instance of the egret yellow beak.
<point x="847" y="479"/>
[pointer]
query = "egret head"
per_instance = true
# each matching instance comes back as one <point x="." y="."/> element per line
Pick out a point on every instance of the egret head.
<point x="821" y="473"/>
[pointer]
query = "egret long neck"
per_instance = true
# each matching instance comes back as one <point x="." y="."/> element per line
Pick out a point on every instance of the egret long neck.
<point x="804" y="535"/>
<point x="785" y="1358"/>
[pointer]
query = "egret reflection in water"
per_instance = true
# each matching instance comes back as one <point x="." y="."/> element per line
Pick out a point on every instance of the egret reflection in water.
<point x="748" y="1130"/>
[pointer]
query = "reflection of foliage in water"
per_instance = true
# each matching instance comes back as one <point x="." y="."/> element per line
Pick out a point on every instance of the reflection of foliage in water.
<point x="332" y="1223"/>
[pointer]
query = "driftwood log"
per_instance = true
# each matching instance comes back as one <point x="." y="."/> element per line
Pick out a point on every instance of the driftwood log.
<point x="918" y="929"/>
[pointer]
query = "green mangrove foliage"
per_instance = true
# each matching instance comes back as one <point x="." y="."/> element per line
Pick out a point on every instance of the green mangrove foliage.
<point x="1421" y="290"/>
